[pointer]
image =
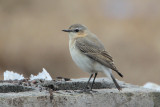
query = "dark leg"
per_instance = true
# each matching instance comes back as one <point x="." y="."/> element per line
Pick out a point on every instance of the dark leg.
<point x="115" y="82"/>
<point x="88" y="82"/>
<point x="94" y="80"/>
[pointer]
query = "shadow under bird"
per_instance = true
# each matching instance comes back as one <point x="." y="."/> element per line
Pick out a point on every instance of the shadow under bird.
<point x="88" y="52"/>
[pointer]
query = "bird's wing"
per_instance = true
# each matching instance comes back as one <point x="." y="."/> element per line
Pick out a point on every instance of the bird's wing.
<point x="95" y="50"/>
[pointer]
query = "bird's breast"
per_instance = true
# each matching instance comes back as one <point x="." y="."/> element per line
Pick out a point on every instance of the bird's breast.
<point x="81" y="60"/>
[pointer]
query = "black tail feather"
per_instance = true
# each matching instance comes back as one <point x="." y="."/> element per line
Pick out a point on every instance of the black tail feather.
<point x="119" y="74"/>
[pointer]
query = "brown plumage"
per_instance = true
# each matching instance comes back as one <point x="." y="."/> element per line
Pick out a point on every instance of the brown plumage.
<point x="88" y="52"/>
<point x="96" y="52"/>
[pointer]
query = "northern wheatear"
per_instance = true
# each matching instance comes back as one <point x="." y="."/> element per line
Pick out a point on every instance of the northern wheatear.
<point x="89" y="54"/>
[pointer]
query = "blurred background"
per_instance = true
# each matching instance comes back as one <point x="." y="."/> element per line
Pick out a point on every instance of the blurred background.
<point x="31" y="36"/>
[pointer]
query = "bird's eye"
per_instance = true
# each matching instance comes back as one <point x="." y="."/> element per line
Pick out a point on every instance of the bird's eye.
<point x="76" y="30"/>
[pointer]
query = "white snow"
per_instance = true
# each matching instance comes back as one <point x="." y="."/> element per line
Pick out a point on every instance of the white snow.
<point x="151" y="85"/>
<point x="43" y="75"/>
<point x="10" y="75"/>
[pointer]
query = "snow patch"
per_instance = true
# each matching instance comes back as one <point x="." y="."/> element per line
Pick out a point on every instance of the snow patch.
<point x="10" y="75"/>
<point x="151" y="85"/>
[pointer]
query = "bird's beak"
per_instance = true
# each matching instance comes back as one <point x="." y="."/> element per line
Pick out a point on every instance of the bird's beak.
<point x="67" y="30"/>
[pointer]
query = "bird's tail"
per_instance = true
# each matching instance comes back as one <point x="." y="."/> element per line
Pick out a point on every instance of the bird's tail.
<point x="109" y="74"/>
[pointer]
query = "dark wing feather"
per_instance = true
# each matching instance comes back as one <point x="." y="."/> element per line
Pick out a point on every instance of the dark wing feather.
<point x="96" y="52"/>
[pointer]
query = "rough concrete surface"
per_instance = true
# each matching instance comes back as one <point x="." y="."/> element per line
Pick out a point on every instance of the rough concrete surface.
<point x="67" y="94"/>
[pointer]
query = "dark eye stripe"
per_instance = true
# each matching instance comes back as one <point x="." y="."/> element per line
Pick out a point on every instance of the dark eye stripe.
<point x="76" y="30"/>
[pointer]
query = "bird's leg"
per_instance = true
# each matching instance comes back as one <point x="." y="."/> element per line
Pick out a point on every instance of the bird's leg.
<point x="88" y="82"/>
<point x="115" y="82"/>
<point x="85" y="88"/>
<point x="94" y="80"/>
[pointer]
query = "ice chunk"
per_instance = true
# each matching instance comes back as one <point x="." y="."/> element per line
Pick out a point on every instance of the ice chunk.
<point x="43" y="75"/>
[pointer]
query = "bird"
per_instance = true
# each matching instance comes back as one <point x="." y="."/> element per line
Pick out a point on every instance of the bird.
<point x="89" y="54"/>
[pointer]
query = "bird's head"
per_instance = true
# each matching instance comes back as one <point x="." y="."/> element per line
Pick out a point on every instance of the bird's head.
<point x="76" y="30"/>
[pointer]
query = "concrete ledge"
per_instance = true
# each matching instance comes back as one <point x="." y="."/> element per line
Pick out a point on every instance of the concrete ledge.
<point x="8" y="87"/>
<point x="66" y="95"/>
